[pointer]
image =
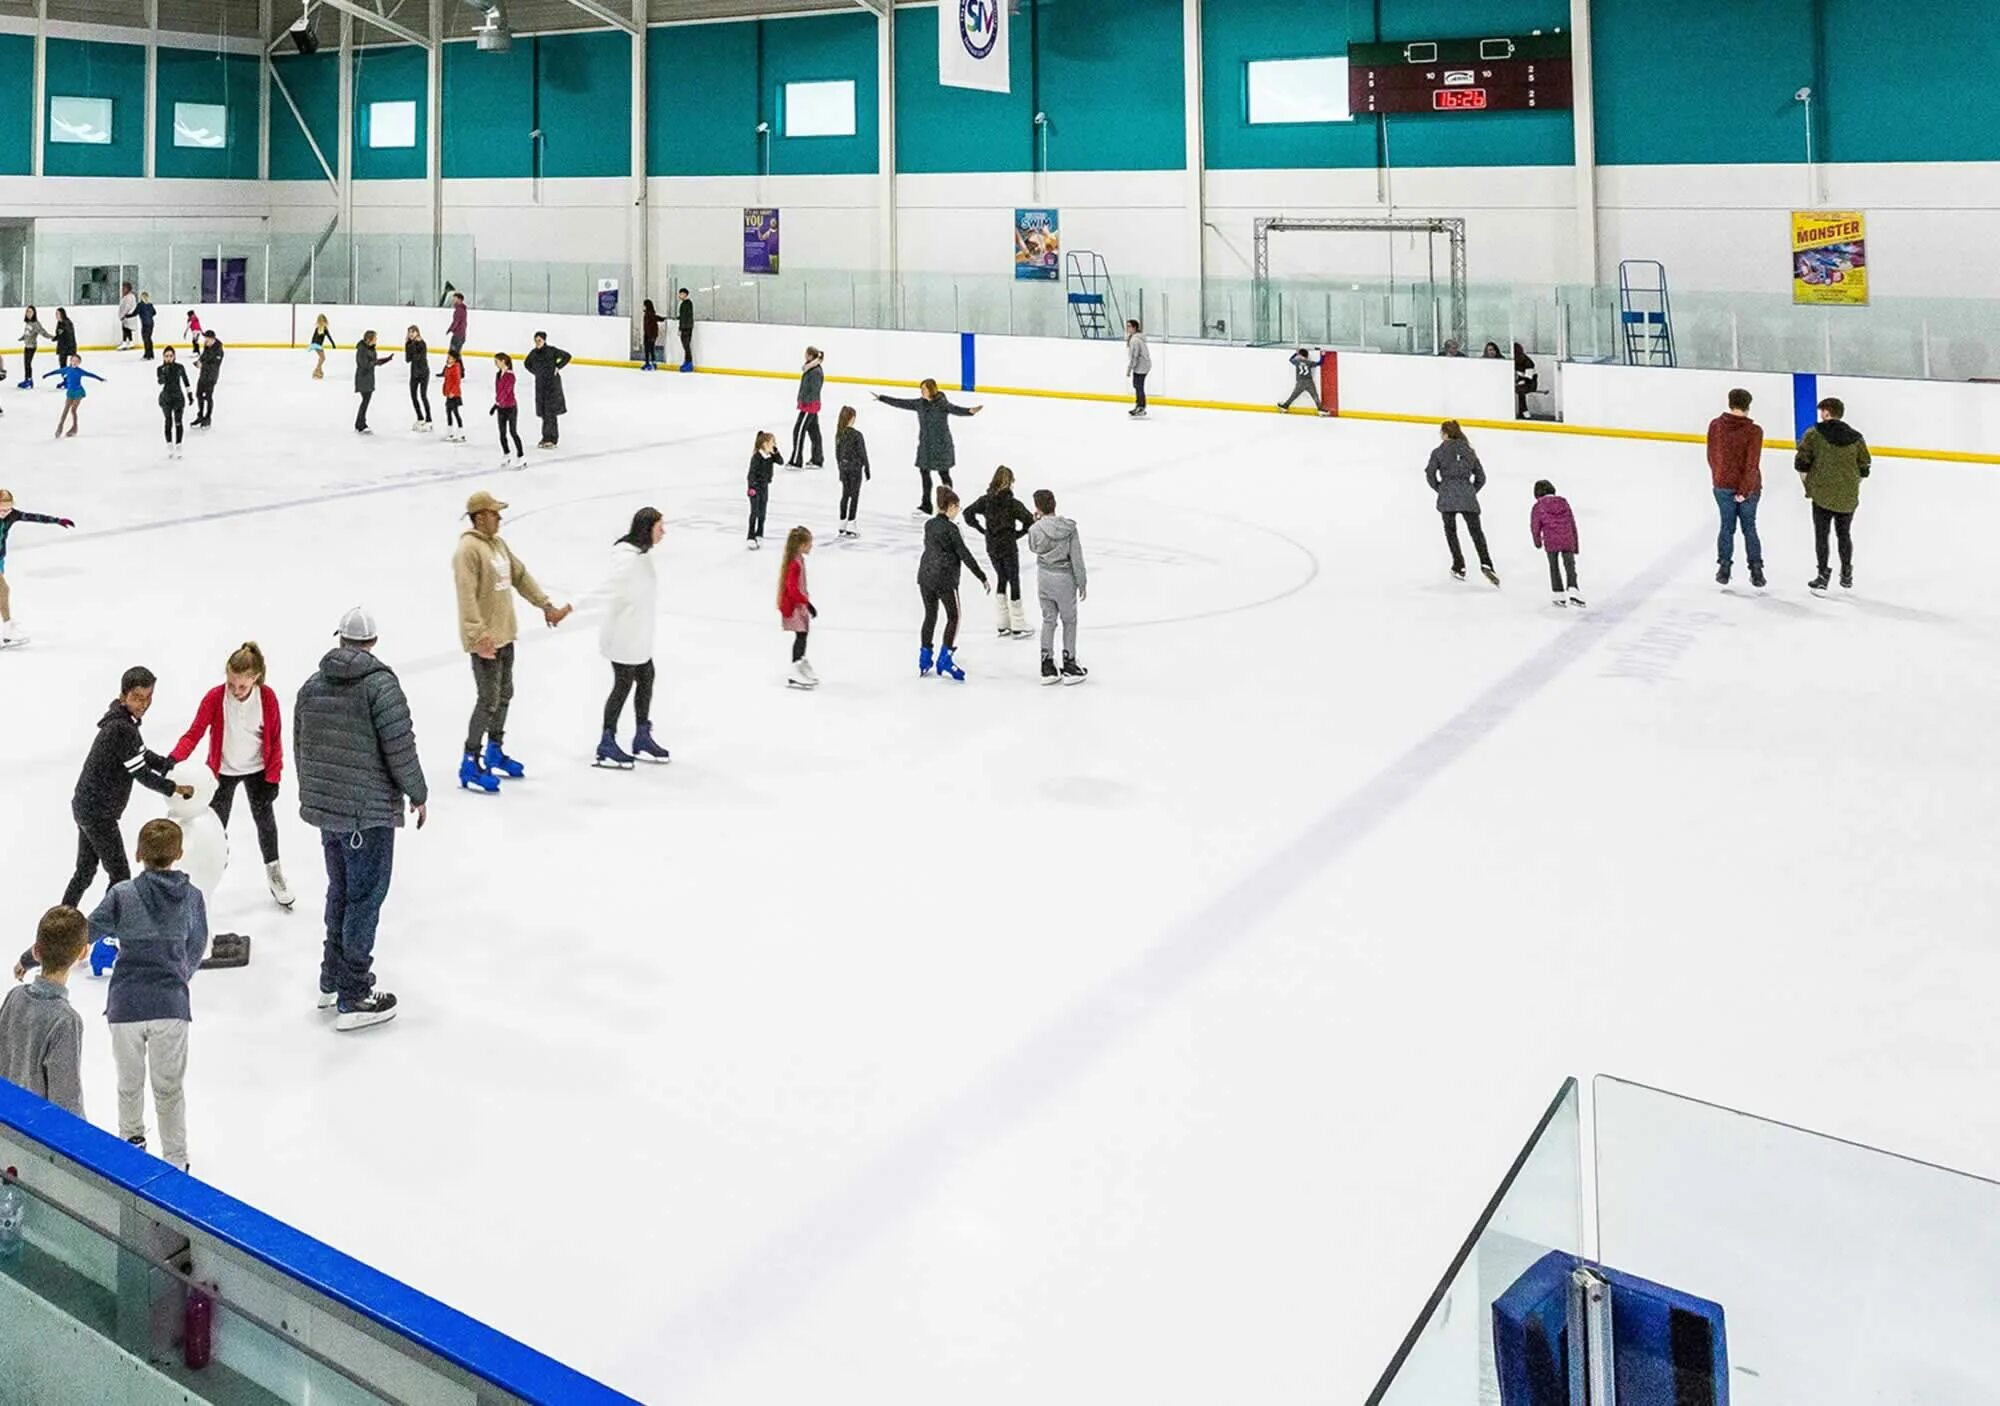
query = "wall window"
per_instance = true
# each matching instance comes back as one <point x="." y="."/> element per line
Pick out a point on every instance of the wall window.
<point x="201" y="125"/>
<point x="820" y="109"/>
<point x="392" y="124"/>
<point x="84" y="120"/>
<point x="1298" y="90"/>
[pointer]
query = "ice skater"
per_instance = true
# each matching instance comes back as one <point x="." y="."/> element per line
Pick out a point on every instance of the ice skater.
<point x="649" y="333"/>
<point x="173" y="379"/>
<point x="1832" y="460"/>
<point x="1553" y="527"/>
<point x="1736" y="470"/>
<point x="488" y="575"/>
<point x="365" y="362"/>
<point x="1305" y="380"/>
<point x="1060" y="584"/>
<point x="245" y="732"/>
<point x="850" y="453"/>
<point x="9" y="517"/>
<point x="118" y="757"/>
<point x="455" y="333"/>
<point x="506" y="410"/>
<point x="192" y="331"/>
<point x="65" y="337"/>
<point x="796" y="612"/>
<point x="418" y="354"/>
<point x="811" y="378"/>
<point x="936" y="454"/>
<point x="625" y="639"/>
<point x="72" y="375"/>
<point x="454" y="397"/>
<point x="545" y="363"/>
<point x="148" y="314"/>
<point x="322" y="343"/>
<point x="764" y="461"/>
<point x="1003" y="520"/>
<point x="33" y="334"/>
<point x="128" y="316"/>
<point x="205" y="379"/>
<point x="1456" y="476"/>
<point x="684" y="320"/>
<point x="937" y="582"/>
<point x="1138" y="365"/>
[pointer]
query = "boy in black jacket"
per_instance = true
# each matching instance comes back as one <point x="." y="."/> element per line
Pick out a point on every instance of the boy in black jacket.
<point x="118" y="757"/>
<point x="937" y="578"/>
<point x="210" y="363"/>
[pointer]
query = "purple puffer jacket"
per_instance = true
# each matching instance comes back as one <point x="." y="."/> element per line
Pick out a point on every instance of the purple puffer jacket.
<point x="1552" y="524"/>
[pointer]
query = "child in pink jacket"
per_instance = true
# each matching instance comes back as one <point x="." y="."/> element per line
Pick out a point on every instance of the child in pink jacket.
<point x="1553" y="526"/>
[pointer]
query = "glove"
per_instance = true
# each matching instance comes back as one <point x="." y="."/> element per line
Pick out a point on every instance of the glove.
<point x="753" y="493"/>
<point x="492" y="410"/>
<point x="64" y="522"/>
<point x="812" y="610"/>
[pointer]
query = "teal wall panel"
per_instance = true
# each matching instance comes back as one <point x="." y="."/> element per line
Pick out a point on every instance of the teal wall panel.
<point x="390" y="74"/>
<point x="203" y="76"/>
<point x="1110" y="80"/>
<point x="810" y="49"/>
<point x="583" y="88"/>
<point x="701" y="100"/>
<point x="489" y="108"/>
<point x="17" y="105"/>
<point x="1705" y="81"/>
<point x="80" y="69"/>
<point x="960" y="129"/>
<point x="314" y="83"/>
<point x="1910" y="83"/>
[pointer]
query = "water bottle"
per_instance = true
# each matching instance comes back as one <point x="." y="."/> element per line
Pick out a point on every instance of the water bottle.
<point x="197" y="1323"/>
<point x="13" y="1213"/>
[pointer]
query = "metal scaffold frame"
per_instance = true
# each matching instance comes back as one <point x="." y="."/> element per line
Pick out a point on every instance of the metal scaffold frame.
<point x="1267" y="225"/>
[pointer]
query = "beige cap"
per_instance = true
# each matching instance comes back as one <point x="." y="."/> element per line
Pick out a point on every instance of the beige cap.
<point x="483" y="502"/>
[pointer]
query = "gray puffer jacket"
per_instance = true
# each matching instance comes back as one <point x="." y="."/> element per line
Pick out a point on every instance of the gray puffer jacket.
<point x="1056" y="546"/>
<point x="1454" y="472"/>
<point x="935" y="449"/>
<point x="353" y="746"/>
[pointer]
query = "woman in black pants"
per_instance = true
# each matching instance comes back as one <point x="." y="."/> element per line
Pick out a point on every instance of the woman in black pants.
<point x="812" y="377"/>
<point x="937" y="579"/>
<point x="1005" y="520"/>
<point x="417" y="353"/>
<point x="626" y="640"/>
<point x="1456" y="476"/>
<point x="936" y="453"/>
<point x="173" y="379"/>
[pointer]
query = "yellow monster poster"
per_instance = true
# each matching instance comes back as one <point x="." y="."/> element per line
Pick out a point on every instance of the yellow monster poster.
<point x="1829" y="257"/>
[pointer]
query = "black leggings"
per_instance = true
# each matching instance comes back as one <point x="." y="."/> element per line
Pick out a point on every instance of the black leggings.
<point x="1006" y="573"/>
<point x="807" y="425"/>
<point x="759" y="501"/>
<point x="944" y="474"/>
<point x="799" y="646"/>
<point x="172" y="413"/>
<point x="850" y="497"/>
<point x="204" y="403"/>
<point x="361" y="415"/>
<point x="625" y="678"/>
<point x="420" y="398"/>
<point x="451" y="415"/>
<point x="509" y="417"/>
<point x="1559" y="563"/>
<point x="934" y="596"/>
<point x="97" y="842"/>
<point x="28" y="374"/>
<point x="1478" y="539"/>
<point x="263" y="802"/>
<point x="1843" y="531"/>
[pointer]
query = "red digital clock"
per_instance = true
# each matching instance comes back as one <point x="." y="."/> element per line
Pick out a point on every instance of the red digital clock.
<point x="1458" y="100"/>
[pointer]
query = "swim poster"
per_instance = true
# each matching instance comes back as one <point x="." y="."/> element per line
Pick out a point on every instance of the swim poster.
<point x="760" y="241"/>
<point x="1037" y="244"/>
<point x="1829" y="257"/>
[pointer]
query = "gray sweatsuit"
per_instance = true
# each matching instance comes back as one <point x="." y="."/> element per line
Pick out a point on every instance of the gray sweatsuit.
<point x="1059" y="578"/>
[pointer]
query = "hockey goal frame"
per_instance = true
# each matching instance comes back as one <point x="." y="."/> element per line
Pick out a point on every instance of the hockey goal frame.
<point x="1452" y="227"/>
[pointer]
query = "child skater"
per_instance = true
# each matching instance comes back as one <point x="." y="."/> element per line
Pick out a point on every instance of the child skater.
<point x="246" y="748"/>
<point x="625" y="639"/>
<point x="811" y="378"/>
<point x="1553" y="526"/>
<point x="850" y="453"/>
<point x="507" y="410"/>
<point x="937" y="581"/>
<point x="9" y="515"/>
<point x="193" y="331"/>
<point x="205" y="379"/>
<point x="65" y="337"/>
<point x="418" y="354"/>
<point x="1456" y="476"/>
<point x="454" y="397"/>
<point x="72" y="385"/>
<point x="936" y="454"/>
<point x="764" y="460"/>
<point x="1060" y="582"/>
<point x="1004" y="520"/>
<point x="32" y="336"/>
<point x="322" y="343"/>
<point x="795" y="608"/>
<point x="649" y="324"/>
<point x="173" y="379"/>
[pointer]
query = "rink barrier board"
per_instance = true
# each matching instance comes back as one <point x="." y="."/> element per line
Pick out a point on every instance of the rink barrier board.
<point x="71" y="1144"/>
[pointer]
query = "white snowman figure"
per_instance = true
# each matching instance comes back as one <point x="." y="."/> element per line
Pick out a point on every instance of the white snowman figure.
<point x="204" y="853"/>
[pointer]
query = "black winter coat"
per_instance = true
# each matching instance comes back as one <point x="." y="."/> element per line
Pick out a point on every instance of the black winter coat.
<point x="65" y="341"/>
<point x="118" y="757"/>
<point x="850" y="453"/>
<point x="353" y="746"/>
<point x="418" y="353"/>
<point x="545" y="364"/>
<point x="761" y="468"/>
<point x="366" y="359"/>
<point x="944" y="552"/>
<point x="173" y="378"/>
<point x="934" y="447"/>
<point x="1004" y="519"/>
<point x="211" y="363"/>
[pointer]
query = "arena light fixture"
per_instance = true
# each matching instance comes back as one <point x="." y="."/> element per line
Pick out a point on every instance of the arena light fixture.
<point x="303" y="37"/>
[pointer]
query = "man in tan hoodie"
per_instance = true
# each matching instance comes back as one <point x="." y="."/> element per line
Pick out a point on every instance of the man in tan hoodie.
<point x="488" y="575"/>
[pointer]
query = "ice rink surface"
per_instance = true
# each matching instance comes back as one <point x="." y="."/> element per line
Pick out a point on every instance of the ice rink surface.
<point x="1151" y="1041"/>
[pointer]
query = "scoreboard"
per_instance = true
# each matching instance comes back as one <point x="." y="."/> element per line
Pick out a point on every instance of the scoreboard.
<point x="1510" y="73"/>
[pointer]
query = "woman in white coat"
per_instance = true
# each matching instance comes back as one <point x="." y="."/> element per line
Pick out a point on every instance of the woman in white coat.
<point x="626" y="639"/>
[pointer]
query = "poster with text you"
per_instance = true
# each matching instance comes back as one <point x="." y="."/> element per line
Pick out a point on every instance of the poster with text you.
<point x="1829" y="257"/>
<point x="972" y="44"/>
<point x="760" y="240"/>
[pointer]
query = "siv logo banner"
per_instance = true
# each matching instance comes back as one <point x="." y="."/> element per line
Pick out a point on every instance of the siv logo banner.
<point x="972" y="45"/>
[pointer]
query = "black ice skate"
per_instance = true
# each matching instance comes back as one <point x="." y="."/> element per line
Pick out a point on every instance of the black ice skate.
<point x="372" y="1009"/>
<point x="1073" y="672"/>
<point x="1722" y="573"/>
<point x="1049" y="673"/>
<point x="1486" y="570"/>
<point x="1757" y="575"/>
<point x="1846" y="578"/>
<point x="1819" y="583"/>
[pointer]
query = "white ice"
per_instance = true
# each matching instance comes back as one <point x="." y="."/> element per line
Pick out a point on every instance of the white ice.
<point x="1151" y="1041"/>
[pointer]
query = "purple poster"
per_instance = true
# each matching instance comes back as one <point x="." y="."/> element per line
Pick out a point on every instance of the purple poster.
<point x="760" y="241"/>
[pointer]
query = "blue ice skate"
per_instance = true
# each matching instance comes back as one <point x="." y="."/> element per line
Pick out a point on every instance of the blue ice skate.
<point x="474" y="777"/>
<point x="947" y="667"/>
<point x="643" y="745"/>
<point x="924" y="662"/>
<point x="610" y="754"/>
<point x="497" y="760"/>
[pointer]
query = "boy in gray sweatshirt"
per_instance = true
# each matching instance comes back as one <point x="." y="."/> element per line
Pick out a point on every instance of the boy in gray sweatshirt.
<point x="1060" y="582"/>
<point x="41" y="1036"/>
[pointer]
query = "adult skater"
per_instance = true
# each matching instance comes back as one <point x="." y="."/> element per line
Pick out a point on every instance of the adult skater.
<point x="812" y="376"/>
<point x="506" y="410"/>
<point x="33" y="334"/>
<point x="65" y="337"/>
<point x="1736" y="470"/>
<point x="684" y="318"/>
<point x="9" y="516"/>
<point x="1138" y="365"/>
<point x="650" y="323"/>
<point x="1305" y="380"/>
<point x="625" y="639"/>
<point x="1832" y="460"/>
<point x="128" y="316"/>
<point x="1060" y="582"/>
<point x="850" y="453"/>
<point x="1456" y="476"/>
<point x="72" y="376"/>
<point x="937" y="581"/>
<point x="487" y="575"/>
<point x="246" y="748"/>
<point x="147" y="314"/>
<point x="322" y="343"/>
<point x="545" y="364"/>
<point x="356" y="754"/>
<point x="456" y="333"/>
<point x="936" y="454"/>
<point x="1526" y="379"/>
<point x="205" y="379"/>
<point x="418" y="354"/>
<point x="173" y="379"/>
<point x="764" y="461"/>
<point x="1003" y="520"/>
<point x="118" y="757"/>
<point x="365" y="362"/>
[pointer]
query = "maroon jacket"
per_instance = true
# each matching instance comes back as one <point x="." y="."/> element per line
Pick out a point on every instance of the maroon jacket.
<point x="1552" y="524"/>
<point x="1736" y="454"/>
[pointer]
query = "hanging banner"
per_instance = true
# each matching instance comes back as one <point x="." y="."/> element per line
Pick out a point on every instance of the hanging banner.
<point x="607" y="297"/>
<point x="972" y="44"/>
<point x="760" y="241"/>
<point x="1037" y="244"/>
<point x="1829" y="257"/>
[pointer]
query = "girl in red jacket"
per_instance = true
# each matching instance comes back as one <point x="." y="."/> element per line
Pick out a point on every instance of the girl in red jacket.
<point x="454" y="397"/>
<point x="795" y="609"/>
<point x="245" y="748"/>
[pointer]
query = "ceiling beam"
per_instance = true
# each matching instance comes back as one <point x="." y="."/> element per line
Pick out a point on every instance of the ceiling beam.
<point x="596" y="9"/>
<point x="383" y="22"/>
